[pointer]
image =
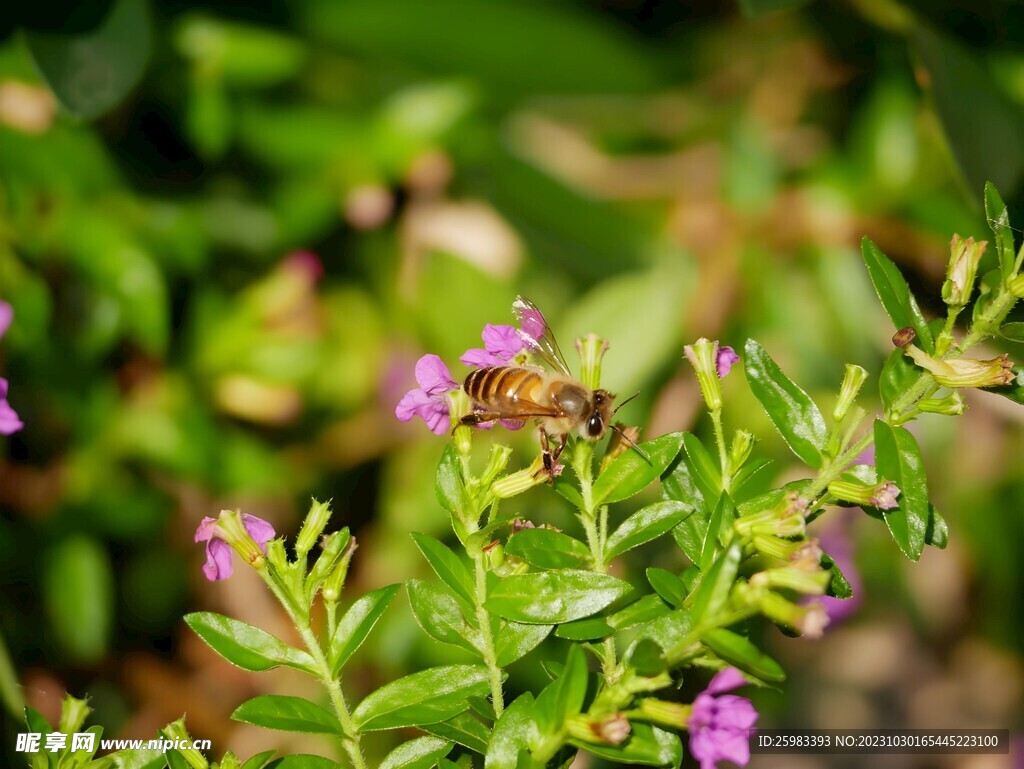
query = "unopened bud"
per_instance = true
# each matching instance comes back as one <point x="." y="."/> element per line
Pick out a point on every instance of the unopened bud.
<point x="963" y="267"/>
<point x="675" y="715"/>
<point x="800" y="581"/>
<point x="952" y="405"/>
<point x="965" y="372"/>
<point x="853" y="380"/>
<point x="703" y="356"/>
<point x="312" y="527"/>
<point x="591" y="349"/>
<point x="1016" y="286"/>
<point x="524" y="480"/>
<point x="335" y="582"/>
<point x="742" y="445"/>
<point x="881" y="495"/>
<point x="612" y="730"/>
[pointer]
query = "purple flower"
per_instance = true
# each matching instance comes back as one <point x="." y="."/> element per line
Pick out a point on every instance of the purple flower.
<point x="720" y="724"/>
<point x="838" y="543"/>
<point x="6" y="316"/>
<point x="9" y="421"/>
<point x="218" y="550"/>
<point x="428" y="401"/>
<point x="501" y="344"/>
<point x="724" y="360"/>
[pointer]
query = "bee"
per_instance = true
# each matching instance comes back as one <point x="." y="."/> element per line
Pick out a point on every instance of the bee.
<point x="560" y="403"/>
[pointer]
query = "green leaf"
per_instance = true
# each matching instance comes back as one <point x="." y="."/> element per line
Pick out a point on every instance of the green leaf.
<point x="999" y="221"/>
<point x="898" y="459"/>
<point x="289" y="714"/>
<point x="1012" y="331"/>
<point x="515" y="640"/>
<point x="512" y="734"/>
<point x="438" y="613"/>
<point x="838" y="586"/>
<point x="681" y="486"/>
<point x="937" y="534"/>
<point x="92" y="73"/>
<point x="569" y="492"/>
<point x="357" y="624"/>
<point x="644" y="525"/>
<point x="755" y="8"/>
<point x="257" y="761"/>
<point x="739" y="651"/>
<point x="646" y="744"/>
<point x="895" y="294"/>
<point x="791" y="410"/>
<point x="706" y="474"/>
<point x="449" y="485"/>
<point x="630" y="473"/>
<point x="418" y="753"/>
<point x="78" y="590"/>
<point x="548" y="549"/>
<point x="564" y="696"/>
<point x="966" y="96"/>
<point x="553" y="597"/>
<point x="463" y="729"/>
<point x="645" y="609"/>
<point x="589" y="629"/>
<point x="141" y="758"/>
<point x="720" y="519"/>
<point x="247" y="646"/>
<point x="426" y="697"/>
<point x="447" y="565"/>
<point x="898" y="375"/>
<point x="667" y="585"/>
<point x="647" y="657"/>
<point x="716" y="583"/>
<point x="302" y="761"/>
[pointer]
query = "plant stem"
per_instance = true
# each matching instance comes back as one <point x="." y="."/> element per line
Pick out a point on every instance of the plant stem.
<point x="723" y="454"/>
<point x="483" y="619"/>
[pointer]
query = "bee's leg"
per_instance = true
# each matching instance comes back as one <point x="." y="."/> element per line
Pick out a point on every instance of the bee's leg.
<point x="558" y="452"/>
<point x="550" y="457"/>
<point x="475" y="418"/>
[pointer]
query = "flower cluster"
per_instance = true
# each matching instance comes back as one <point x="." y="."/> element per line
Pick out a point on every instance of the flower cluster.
<point x="720" y="723"/>
<point x="9" y="420"/>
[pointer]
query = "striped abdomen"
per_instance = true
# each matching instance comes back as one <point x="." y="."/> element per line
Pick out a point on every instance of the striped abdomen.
<point x="507" y="390"/>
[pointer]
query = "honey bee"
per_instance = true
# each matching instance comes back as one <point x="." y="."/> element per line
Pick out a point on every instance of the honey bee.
<point x="560" y="403"/>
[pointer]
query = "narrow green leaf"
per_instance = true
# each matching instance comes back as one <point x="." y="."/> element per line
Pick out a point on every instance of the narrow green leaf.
<point x="750" y="480"/>
<point x="564" y="696"/>
<point x="553" y="597"/>
<point x="838" y="586"/>
<point x="937" y="534"/>
<point x="720" y="519"/>
<point x="301" y="761"/>
<point x="1012" y="331"/>
<point x="715" y="584"/>
<point x="463" y="729"/>
<point x="647" y="745"/>
<point x="512" y="734"/>
<point x="515" y="640"/>
<point x="644" y="525"/>
<point x="630" y="473"/>
<point x="548" y="549"/>
<point x="706" y="474"/>
<point x="259" y="760"/>
<point x="644" y="610"/>
<point x="791" y="410"/>
<point x="426" y="697"/>
<point x="898" y="458"/>
<point x="289" y="714"/>
<point x="667" y="585"/>
<point x="898" y="375"/>
<point x="438" y="614"/>
<point x="647" y="658"/>
<point x="246" y="646"/>
<point x="569" y="492"/>
<point x="589" y="629"/>
<point x="999" y="221"/>
<point x="449" y="485"/>
<point x="357" y="624"/>
<point x="739" y="651"/>
<point x="895" y="294"/>
<point x="418" y="753"/>
<point x="448" y="566"/>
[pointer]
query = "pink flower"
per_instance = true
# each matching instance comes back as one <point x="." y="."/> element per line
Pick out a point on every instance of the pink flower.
<point x="501" y="344"/>
<point x="724" y="360"/>
<point x="6" y="316"/>
<point x="218" y="548"/>
<point x="720" y="724"/>
<point x="9" y="421"/>
<point x="428" y="401"/>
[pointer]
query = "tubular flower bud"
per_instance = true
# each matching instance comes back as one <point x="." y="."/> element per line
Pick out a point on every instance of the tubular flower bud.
<point x="952" y="405"/>
<point x="882" y="495"/>
<point x="853" y="380"/>
<point x="312" y="526"/>
<point x="965" y="372"/>
<point x="523" y="480"/>
<point x="609" y="731"/>
<point x="336" y="581"/>
<point x="786" y="519"/>
<point x="591" y="349"/>
<point x="802" y="581"/>
<point x="671" y="714"/>
<point x="963" y="267"/>
<point x="711" y="364"/>
<point x="809" y="620"/>
<point x="742" y="444"/>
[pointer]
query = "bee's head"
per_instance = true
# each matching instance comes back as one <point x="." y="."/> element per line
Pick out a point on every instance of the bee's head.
<point x="600" y="416"/>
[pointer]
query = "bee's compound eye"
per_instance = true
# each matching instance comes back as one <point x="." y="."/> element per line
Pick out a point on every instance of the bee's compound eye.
<point x="595" y="426"/>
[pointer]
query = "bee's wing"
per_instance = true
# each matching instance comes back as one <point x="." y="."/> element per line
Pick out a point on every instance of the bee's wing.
<point x="535" y="331"/>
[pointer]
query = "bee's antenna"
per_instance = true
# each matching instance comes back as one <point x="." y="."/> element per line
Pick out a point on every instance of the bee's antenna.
<point x="627" y="439"/>
<point x="623" y="403"/>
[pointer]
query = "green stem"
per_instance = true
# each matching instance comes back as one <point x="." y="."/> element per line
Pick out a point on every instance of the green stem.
<point x="483" y="619"/>
<point x="723" y="453"/>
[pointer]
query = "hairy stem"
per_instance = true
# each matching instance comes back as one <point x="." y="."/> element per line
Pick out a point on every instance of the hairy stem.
<point x="723" y="453"/>
<point x="483" y="619"/>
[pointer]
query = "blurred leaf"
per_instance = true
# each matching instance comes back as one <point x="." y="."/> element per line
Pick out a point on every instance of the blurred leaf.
<point x="463" y="729"/>
<point x="516" y="47"/>
<point x="209" y="118"/>
<point x="898" y="458"/>
<point x="289" y="714"/>
<point x="241" y="55"/>
<point x="302" y="761"/>
<point x="555" y="596"/>
<point x="426" y="697"/>
<point x="839" y="586"/>
<point x="739" y="651"/>
<point x="647" y="657"/>
<point x="715" y="584"/>
<point x="245" y="645"/>
<point x="515" y="640"/>
<point x="1012" y="331"/>
<point x="564" y="696"/>
<point x="78" y="586"/>
<point x="445" y="563"/>
<point x="937" y="533"/>
<point x="258" y="760"/>
<point x="438" y="613"/>
<point x="418" y="753"/>
<point x="668" y="586"/>
<point x="999" y="221"/>
<point x="646" y="744"/>
<point x="895" y="295"/>
<point x="512" y="734"/>
<point x="966" y="97"/>
<point x="630" y="473"/>
<point x="548" y="549"/>
<point x="898" y="375"/>
<point x="357" y="623"/>
<point x="92" y="73"/>
<point x="10" y="688"/>
<point x="754" y="8"/>
<point x="644" y="525"/>
<point x="645" y="609"/>
<point x="791" y="410"/>
<point x="589" y="629"/>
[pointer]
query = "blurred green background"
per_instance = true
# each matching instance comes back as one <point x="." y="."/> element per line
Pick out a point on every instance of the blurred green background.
<point x="228" y="234"/>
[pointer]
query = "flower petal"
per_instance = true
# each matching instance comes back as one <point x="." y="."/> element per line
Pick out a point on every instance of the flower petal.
<point x="9" y="421"/>
<point x="218" y="560"/>
<point x="477" y="358"/>
<point x="411" y="404"/>
<point x="503" y="341"/>
<point x="433" y="376"/>
<point x="724" y="360"/>
<point x="725" y="681"/>
<point x="436" y="416"/>
<point x="735" y="712"/>
<point x="207" y="530"/>
<point x="6" y="316"/>
<point x="261" y="531"/>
